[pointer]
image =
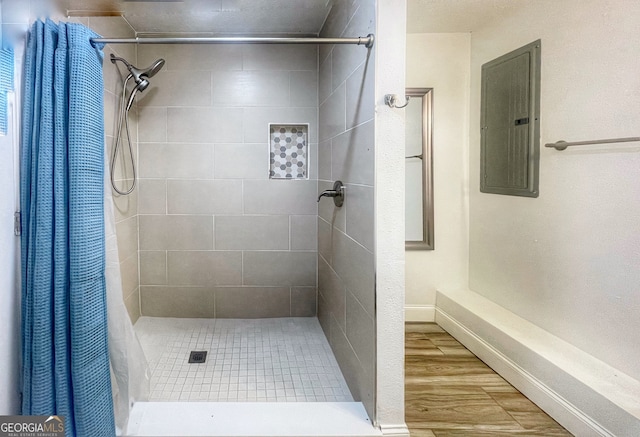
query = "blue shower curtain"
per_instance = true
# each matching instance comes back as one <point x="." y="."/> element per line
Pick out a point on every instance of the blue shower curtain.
<point x="64" y="321"/>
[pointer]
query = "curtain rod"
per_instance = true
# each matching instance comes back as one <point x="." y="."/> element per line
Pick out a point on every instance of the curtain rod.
<point x="561" y="145"/>
<point x="367" y="41"/>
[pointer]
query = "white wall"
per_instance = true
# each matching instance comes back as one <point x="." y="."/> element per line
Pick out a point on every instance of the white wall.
<point x="569" y="261"/>
<point x="389" y="213"/>
<point x="441" y="61"/>
<point x="9" y="272"/>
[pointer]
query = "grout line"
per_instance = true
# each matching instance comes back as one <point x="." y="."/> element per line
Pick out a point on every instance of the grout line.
<point x="166" y="267"/>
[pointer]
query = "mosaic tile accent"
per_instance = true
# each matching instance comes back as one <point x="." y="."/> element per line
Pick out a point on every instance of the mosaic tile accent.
<point x="288" y="151"/>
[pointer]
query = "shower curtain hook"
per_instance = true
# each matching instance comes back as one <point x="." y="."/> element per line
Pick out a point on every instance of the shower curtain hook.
<point x="391" y="99"/>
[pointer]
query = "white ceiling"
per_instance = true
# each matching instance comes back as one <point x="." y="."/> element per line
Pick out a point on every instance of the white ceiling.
<point x="246" y="17"/>
<point x="435" y="16"/>
<point x="282" y="17"/>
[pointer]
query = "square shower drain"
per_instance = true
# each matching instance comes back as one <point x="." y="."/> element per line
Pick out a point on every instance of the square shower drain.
<point x="197" y="357"/>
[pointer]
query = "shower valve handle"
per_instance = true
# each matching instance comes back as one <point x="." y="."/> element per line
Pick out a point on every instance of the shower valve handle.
<point x="337" y="193"/>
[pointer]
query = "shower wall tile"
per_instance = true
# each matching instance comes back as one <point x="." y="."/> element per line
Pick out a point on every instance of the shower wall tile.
<point x="344" y="61"/>
<point x="352" y="155"/>
<point x="125" y="206"/>
<point x="193" y="57"/>
<point x="324" y="80"/>
<point x="346" y="284"/>
<point x="333" y="291"/>
<point x="251" y="88"/>
<point x="204" y="268"/>
<point x="152" y="196"/>
<point x="129" y="275"/>
<point x="324" y="317"/>
<point x="153" y="267"/>
<point x="273" y="268"/>
<point x="152" y="125"/>
<point x="162" y="160"/>
<point x="346" y="58"/>
<point x="303" y="301"/>
<point x="118" y="28"/>
<point x="324" y="161"/>
<point x="241" y="161"/>
<point x="132" y="303"/>
<point x="127" y="236"/>
<point x="355" y="266"/>
<point x="359" y="381"/>
<point x="188" y="302"/>
<point x="204" y="197"/>
<point x="280" y="197"/>
<point x="280" y="57"/>
<point x="265" y="302"/>
<point x="304" y="232"/>
<point x="269" y="232"/>
<point x="111" y="74"/>
<point x="176" y="232"/>
<point x="123" y="169"/>
<point x="304" y="88"/>
<point x="338" y="18"/>
<point x="359" y="328"/>
<point x="361" y="107"/>
<point x="332" y="115"/>
<point x="360" y="214"/>
<point x="194" y="89"/>
<point x="110" y="118"/>
<point x="256" y="122"/>
<point x="324" y="240"/>
<point x="212" y="223"/>
<point x="205" y="125"/>
<point x="312" y="161"/>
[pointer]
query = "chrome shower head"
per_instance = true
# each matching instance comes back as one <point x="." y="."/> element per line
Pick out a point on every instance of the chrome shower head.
<point x="139" y="75"/>
<point x="149" y="71"/>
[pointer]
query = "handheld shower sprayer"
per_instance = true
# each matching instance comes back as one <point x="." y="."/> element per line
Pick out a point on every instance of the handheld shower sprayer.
<point x="140" y="76"/>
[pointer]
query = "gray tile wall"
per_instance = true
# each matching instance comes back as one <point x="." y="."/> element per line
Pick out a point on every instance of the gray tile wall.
<point x="346" y="275"/>
<point x="126" y="207"/>
<point x="217" y="238"/>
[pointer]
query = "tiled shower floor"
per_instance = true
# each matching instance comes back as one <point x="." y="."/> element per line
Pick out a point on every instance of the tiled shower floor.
<point x="252" y="360"/>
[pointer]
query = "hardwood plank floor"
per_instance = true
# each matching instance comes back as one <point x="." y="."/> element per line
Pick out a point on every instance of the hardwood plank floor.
<point x="449" y="392"/>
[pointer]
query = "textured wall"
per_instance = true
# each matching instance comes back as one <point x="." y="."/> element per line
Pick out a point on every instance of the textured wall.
<point x="218" y="238"/>
<point x="568" y="261"/>
<point x="346" y="276"/>
<point x="9" y="256"/>
<point x="389" y="217"/>
<point x="441" y="61"/>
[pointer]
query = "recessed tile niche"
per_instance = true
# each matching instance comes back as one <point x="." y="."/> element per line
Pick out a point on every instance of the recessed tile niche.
<point x="288" y="151"/>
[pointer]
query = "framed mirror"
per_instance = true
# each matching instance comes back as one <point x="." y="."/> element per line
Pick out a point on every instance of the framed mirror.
<point x="419" y="170"/>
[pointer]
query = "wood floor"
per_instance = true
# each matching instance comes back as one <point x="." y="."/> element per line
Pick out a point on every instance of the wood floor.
<point x="450" y="392"/>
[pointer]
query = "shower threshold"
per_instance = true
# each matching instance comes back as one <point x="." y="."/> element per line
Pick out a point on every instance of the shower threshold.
<point x="269" y="419"/>
<point x="261" y="377"/>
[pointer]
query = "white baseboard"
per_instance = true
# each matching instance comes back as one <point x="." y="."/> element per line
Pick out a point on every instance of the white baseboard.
<point x="560" y="380"/>
<point x="419" y="313"/>
<point x="395" y="430"/>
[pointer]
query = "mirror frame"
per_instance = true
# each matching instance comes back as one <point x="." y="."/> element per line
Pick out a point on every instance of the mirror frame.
<point x="427" y="242"/>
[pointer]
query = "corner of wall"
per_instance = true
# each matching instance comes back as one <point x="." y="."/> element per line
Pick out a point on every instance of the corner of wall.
<point x="389" y="212"/>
